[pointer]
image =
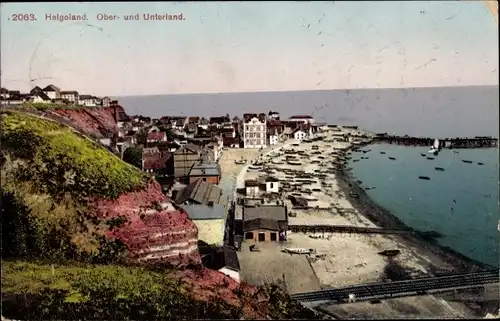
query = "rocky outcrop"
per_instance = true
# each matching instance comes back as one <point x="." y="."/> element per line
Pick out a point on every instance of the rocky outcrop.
<point x="154" y="228"/>
<point x="97" y="121"/>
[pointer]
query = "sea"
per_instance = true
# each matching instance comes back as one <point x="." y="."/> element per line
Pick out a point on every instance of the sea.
<point x="460" y="202"/>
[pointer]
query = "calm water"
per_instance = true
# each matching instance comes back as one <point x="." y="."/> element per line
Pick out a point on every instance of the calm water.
<point x="461" y="202"/>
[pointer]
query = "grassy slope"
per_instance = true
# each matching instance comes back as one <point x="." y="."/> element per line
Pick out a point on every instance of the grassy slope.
<point x="66" y="151"/>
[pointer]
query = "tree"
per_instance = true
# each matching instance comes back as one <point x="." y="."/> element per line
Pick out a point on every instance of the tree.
<point x="142" y="137"/>
<point x="133" y="156"/>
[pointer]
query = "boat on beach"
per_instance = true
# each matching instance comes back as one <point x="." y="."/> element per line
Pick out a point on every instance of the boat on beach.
<point x="427" y="178"/>
<point x="430" y="157"/>
<point x="382" y="153"/>
<point x="294" y="163"/>
<point x="240" y="162"/>
<point x="479" y="163"/>
<point x="439" y="169"/>
<point x="392" y="158"/>
<point x="467" y="161"/>
<point x="253" y="168"/>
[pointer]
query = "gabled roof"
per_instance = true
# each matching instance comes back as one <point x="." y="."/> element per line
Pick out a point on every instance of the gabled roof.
<point x="271" y="212"/>
<point x="69" y="92"/>
<point x="200" y="192"/>
<point x="51" y="88"/>
<point x="42" y="95"/>
<point x="205" y="170"/>
<point x="272" y="179"/>
<point x="84" y="97"/>
<point x="261" y="224"/>
<point x="188" y="148"/>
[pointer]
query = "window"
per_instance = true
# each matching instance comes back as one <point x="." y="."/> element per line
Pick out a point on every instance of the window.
<point x="262" y="237"/>
<point x="248" y="236"/>
<point x="273" y="237"/>
<point x="246" y="127"/>
<point x="204" y="179"/>
<point x="271" y="185"/>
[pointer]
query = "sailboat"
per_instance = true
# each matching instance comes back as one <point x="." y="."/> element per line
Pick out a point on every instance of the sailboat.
<point x="435" y="148"/>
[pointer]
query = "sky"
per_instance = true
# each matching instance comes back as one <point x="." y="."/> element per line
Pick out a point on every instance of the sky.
<point x="250" y="47"/>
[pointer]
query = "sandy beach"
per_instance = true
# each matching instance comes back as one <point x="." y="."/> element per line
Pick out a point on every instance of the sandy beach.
<point x="346" y="259"/>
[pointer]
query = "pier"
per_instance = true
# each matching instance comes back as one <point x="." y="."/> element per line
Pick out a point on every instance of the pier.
<point x="450" y="143"/>
<point x="344" y="229"/>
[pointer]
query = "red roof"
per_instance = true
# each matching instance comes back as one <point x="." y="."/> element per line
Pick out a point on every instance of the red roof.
<point x="156" y="160"/>
<point x="156" y="136"/>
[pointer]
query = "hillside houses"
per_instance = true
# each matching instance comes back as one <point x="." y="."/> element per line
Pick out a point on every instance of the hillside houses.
<point x="52" y="94"/>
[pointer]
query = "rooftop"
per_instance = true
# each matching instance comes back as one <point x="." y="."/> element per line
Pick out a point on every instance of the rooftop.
<point x="200" y="192"/>
<point x="205" y="170"/>
<point x="205" y="212"/>
<point x="260" y="224"/>
<point x="273" y="212"/>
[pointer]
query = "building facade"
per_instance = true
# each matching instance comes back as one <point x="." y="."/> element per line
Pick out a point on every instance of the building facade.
<point x="255" y="133"/>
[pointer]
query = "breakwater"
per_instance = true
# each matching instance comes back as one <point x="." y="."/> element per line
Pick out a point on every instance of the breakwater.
<point x="450" y="143"/>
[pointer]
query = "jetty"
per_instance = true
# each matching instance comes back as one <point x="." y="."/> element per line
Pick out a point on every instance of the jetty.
<point x="450" y="143"/>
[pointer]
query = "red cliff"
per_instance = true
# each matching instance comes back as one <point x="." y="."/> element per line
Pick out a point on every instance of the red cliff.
<point x="155" y="229"/>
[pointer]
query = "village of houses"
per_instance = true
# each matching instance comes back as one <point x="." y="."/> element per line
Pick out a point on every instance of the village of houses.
<point x="243" y="182"/>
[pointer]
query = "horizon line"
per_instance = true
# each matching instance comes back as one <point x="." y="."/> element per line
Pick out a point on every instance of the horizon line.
<point x="300" y="90"/>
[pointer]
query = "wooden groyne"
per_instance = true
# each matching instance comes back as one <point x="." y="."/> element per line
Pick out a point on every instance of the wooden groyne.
<point x="343" y="229"/>
<point x="458" y="142"/>
<point x="347" y="229"/>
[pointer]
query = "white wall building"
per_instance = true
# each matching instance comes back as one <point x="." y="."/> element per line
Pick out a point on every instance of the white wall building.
<point x="71" y="96"/>
<point x="255" y="133"/>
<point x="299" y="134"/>
<point x="273" y="139"/>
<point x="272" y="185"/>
<point x="87" y="100"/>
<point x="52" y="92"/>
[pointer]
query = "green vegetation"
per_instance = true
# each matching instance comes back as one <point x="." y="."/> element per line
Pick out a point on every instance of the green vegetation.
<point x="89" y="292"/>
<point x="133" y="156"/>
<point x="58" y="161"/>
<point x="47" y="106"/>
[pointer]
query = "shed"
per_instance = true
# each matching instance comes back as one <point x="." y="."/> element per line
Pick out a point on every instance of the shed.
<point x="210" y="173"/>
<point x="272" y="185"/>
<point x="252" y="188"/>
<point x="261" y="230"/>
<point x="210" y="221"/>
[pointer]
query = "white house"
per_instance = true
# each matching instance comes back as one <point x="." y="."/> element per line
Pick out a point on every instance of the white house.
<point x="252" y="188"/>
<point x="71" y="96"/>
<point x="87" y="100"/>
<point x="272" y="185"/>
<point x="273" y="139"/>
<point x="52" y="91"/>
<point x="254" y="133"/>
<point x="40" y="98"/>
<point x="299" y="134"/>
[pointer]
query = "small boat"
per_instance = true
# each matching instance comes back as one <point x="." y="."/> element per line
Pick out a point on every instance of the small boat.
<point x="240" y="162"/>
<point x="435" y="148"/>
<point x="393" y="158"/>
<point x="424" y="178"/>
<point x="382" y="153"/>
<point x="355" y="160"/>
<point x="480" y="163"/>
<point x="364" y="157"/>
<point x="439" y="169"/>
<point x="254" y="168"/>
<point x="294" y="163"/>
<point x="389" y="252"/>
<point x="423" y="154"/>
<point x="298" y="251"/>
<point x="430" y="157"/>
<point x="467" y="161"/>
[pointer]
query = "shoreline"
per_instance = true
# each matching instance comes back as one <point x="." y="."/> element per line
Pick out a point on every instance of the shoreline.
<point x="384" y="218"/>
